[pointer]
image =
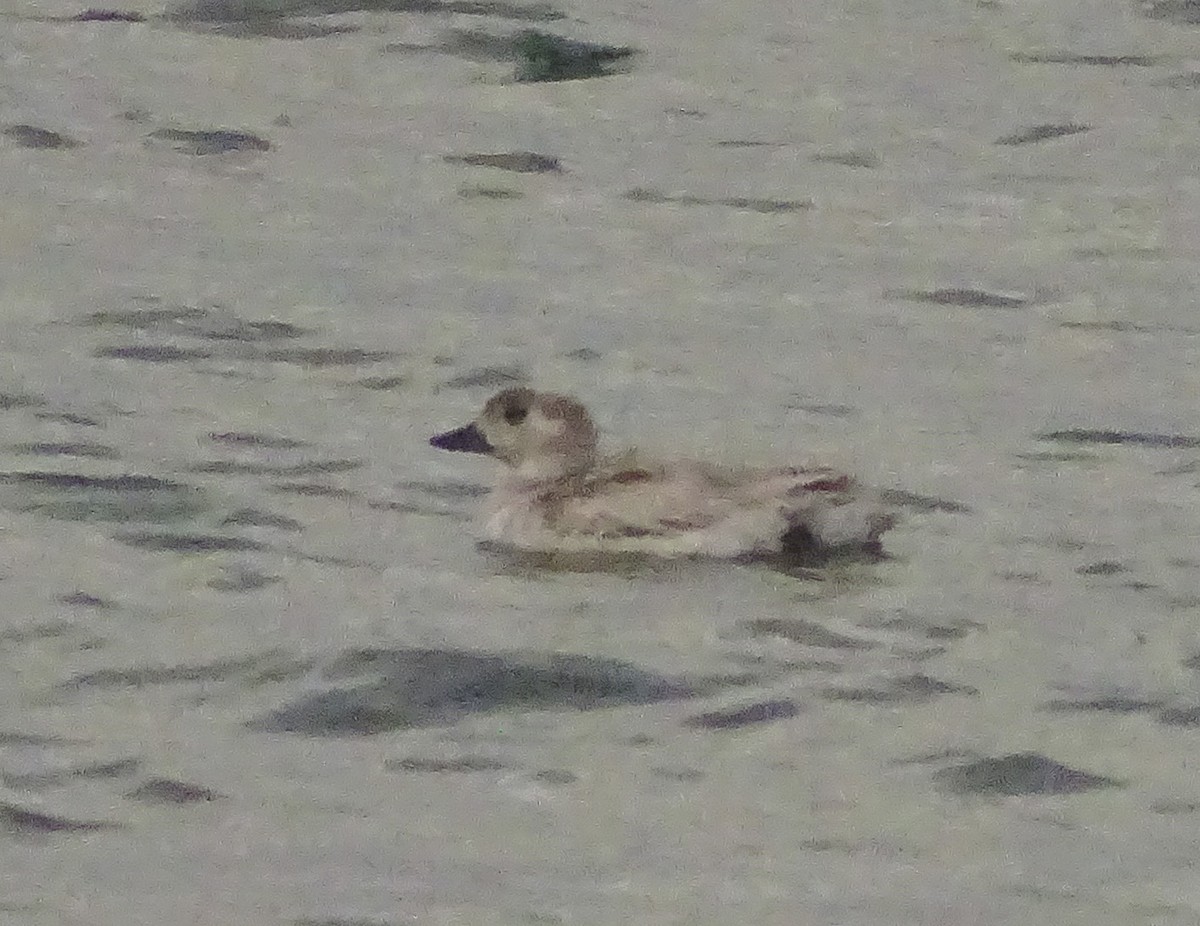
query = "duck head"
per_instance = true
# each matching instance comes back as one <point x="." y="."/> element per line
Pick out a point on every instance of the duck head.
<point x="539" y="434"/>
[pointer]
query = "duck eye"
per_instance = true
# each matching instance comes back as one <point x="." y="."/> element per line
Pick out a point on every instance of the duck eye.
<point x="515" y="414"/>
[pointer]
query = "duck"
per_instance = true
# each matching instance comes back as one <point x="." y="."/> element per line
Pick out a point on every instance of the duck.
<point x="558" y="494"/>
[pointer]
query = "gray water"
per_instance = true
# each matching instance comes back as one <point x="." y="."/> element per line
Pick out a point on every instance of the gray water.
<point x="255" y="669"/>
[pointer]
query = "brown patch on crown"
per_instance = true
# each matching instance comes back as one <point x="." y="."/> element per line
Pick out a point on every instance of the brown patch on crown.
<point x="511" y="403"/>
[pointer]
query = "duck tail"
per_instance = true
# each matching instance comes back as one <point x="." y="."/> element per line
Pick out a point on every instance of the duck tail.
<point x="840" y="520"/>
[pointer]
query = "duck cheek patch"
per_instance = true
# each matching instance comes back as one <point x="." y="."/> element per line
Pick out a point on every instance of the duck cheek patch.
<point x="468" y="439"/>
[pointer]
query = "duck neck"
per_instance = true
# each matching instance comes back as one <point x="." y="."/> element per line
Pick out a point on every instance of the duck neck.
<point x="547" y="471"/>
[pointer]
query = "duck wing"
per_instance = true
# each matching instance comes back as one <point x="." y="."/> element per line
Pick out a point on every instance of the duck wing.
<point x="693" y="508"/>
<point x="642" y="501"/>
<point x="686" y="508"/>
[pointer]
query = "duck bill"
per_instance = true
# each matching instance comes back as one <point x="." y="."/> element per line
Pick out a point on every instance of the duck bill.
<point x="467" y="439"/>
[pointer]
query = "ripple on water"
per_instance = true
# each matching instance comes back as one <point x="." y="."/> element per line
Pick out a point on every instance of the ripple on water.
<point x="461" y="764"/>
<point x="1109" y="436"/>
<point x="81" y="599"/>
<point x="266" y="667"/>
<point x="490" y="377"/>
<point x="914" y="688"/>
<point x="255" y="440"/>
<point x="743" y="203"/>
<point x="966" y="297"/>
<point x="1182" y="716"/>
<point x="92" y="771"/>
<point x="322" y="356"/>
<point x="382" y="383"/>
<point x="241" y="578"/>
<point x="66" y="449"/>
<point x="807" y="633"/>
<point x="170" y="791"/>
<point x="539" y="56"/>
<point x="393" y="689"/>
<point x="79" y="497"/>
<point x="1105" y="704"/>
<point x="15" y="400"/>
<point x="210" y="141"/>
<point x="1087" y="60"/>
<point x="749" y="715"/>
<point x="22" y="821"/>
<point x="1042" y="132"/>
<point x="311" y="490"/>
<point x="1180" y="12"/>
<point x="35" y="136"/>
<point x="163" y="335"/>
<point x="287" y="470"/>
<point x="190" y="543"/>
<point x="1019" y="774"/>
<point x="521" y="162"/>
<point x="254" y="517"/>
<point x="83" y="421"/>
<point x="153" y="353"/>
<point x="257" y="19"/>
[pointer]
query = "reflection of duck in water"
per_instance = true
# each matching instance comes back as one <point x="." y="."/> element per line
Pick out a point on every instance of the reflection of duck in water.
<point x="559" y="496"/>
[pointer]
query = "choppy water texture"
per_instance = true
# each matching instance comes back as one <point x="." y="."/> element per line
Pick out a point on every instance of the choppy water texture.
<point x="256" y="670"/>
